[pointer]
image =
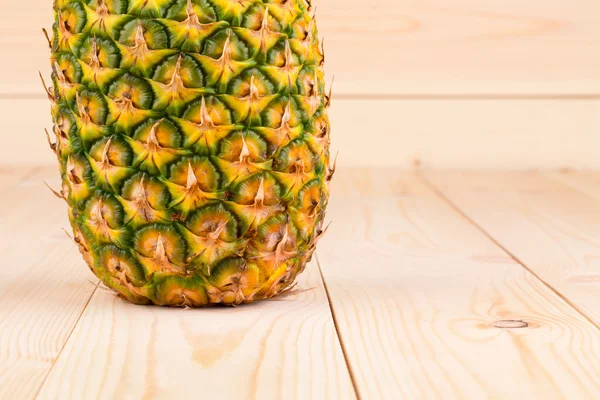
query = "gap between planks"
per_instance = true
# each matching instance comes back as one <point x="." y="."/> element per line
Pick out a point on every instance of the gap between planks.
<point x="518" y="260"/>
<point x="337" y="330"/>
<point x="37" y="393"/>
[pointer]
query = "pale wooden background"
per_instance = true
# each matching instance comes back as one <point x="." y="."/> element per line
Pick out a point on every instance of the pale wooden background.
<point x="469" y="84"/>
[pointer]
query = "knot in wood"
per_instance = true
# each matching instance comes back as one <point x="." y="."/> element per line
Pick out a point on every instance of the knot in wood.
<point x="510" y="324"/>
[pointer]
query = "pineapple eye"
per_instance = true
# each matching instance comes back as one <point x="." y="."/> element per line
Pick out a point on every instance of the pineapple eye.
<point x="181" y="291"/>
<point x="113" y="6"/>
<point x="203" y="10"/>
<point x="321" y="126"/>
<point x="166" y="133"/>
<point x="116" y="152"/>
<point x="254" y="17"/>
<point x="273" y="231"/>
<point x="77" y="170"/>
<point x="309" y="197"/>
<point x="219" y="113"/>
<point x="300" y="29"/>
<point x="282" y="111"/>
<point x="296" y="157"/>
<point x="122" y="265"/>
<point x="132" y="88"/>
<point x="72" y="18"/>
<point x="103" y="213"/>
<point x="202" y="171"/>
<point x="65" y="129"/>
<point x="215" y="45"/>
<point x="232" y="10"/>
<point x="231" y="272"/>
<point x="234" y="146"/>
<point x="93" y="105"/>
<point x="69" y="66"/>
<point x="155" y="145"/>
<point x="77" y="177"/>
<point x="277" y="56"/>
<point x="310" y="82"/>
<point x="213" y="218"/>
<point x="189" y="72"/>
<point x="248" y="190"/>
<point x="143" y="187"/>
<point x="149" y="8"/>
<point x="154" y="33"/>
<point x="156" y="240"/>
<point x="240" y="86"/>
<point x="105" y="51"/>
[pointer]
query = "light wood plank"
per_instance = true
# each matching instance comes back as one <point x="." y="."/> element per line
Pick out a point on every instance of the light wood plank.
<point x="423" y="300"/>
<point x="284" y="348"/>
<point x="587" y="182"/>
<point x="467" y="46"/>
<point x="404" y="133"/>
<point x="44" y="284"/>
<point x="11" y="175"/>
<point x="400" y="47"/>
<point x="475" y="133"/>
<point x="24" y="143"/>
<point x="553" y="229"/>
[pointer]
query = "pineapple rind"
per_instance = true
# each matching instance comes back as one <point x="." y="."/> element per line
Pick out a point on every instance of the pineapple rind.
<point x="193" y="144"/>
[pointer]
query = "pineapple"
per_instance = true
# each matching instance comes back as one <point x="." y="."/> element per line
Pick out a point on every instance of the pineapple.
<point x="193" y="144"/>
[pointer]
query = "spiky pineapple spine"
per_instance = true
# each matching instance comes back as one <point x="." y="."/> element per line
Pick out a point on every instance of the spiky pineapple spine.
<point x="193" y="144"/>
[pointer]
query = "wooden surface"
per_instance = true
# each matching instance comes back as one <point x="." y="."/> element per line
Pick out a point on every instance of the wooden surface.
<point x="43" y="287"/>
<point x="551" y="229"/>
<point x="507" y="84"/>
<point x="430" y="285"/>
<point x="282" y="348"/>
<point x="419" y="298"/>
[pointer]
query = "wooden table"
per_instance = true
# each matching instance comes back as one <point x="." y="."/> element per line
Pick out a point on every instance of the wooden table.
<point x="428" y="285"/>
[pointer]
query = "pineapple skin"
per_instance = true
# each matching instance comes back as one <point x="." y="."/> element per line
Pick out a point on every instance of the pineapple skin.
<point x="193" y="143"/>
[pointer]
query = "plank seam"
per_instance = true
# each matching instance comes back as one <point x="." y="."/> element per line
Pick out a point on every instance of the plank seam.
<point x="337" y="331"/>
<point x="37" y="393"/>
<point x="454" y="206"/>
<point x="568" y="184"/>
<point x="30" y="173"/>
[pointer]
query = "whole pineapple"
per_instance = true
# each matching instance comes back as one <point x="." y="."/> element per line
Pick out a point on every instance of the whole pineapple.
<point x="193" y="144"/>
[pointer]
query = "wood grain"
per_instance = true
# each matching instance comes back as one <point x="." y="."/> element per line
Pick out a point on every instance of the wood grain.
<point x="550" y="227"/>
<point x="428" y="307"/>
<point x="517" y="134"/>
<point x="10" y="176"/>
<point x="466" y="46"/>
<point x="283" y="348"/>
<point x="400" y="47"/>
<point x="472" y="133"/>
<point x="587" y="182"/>
<point x="24" y="142"/>
<point x="44" y="284"/>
